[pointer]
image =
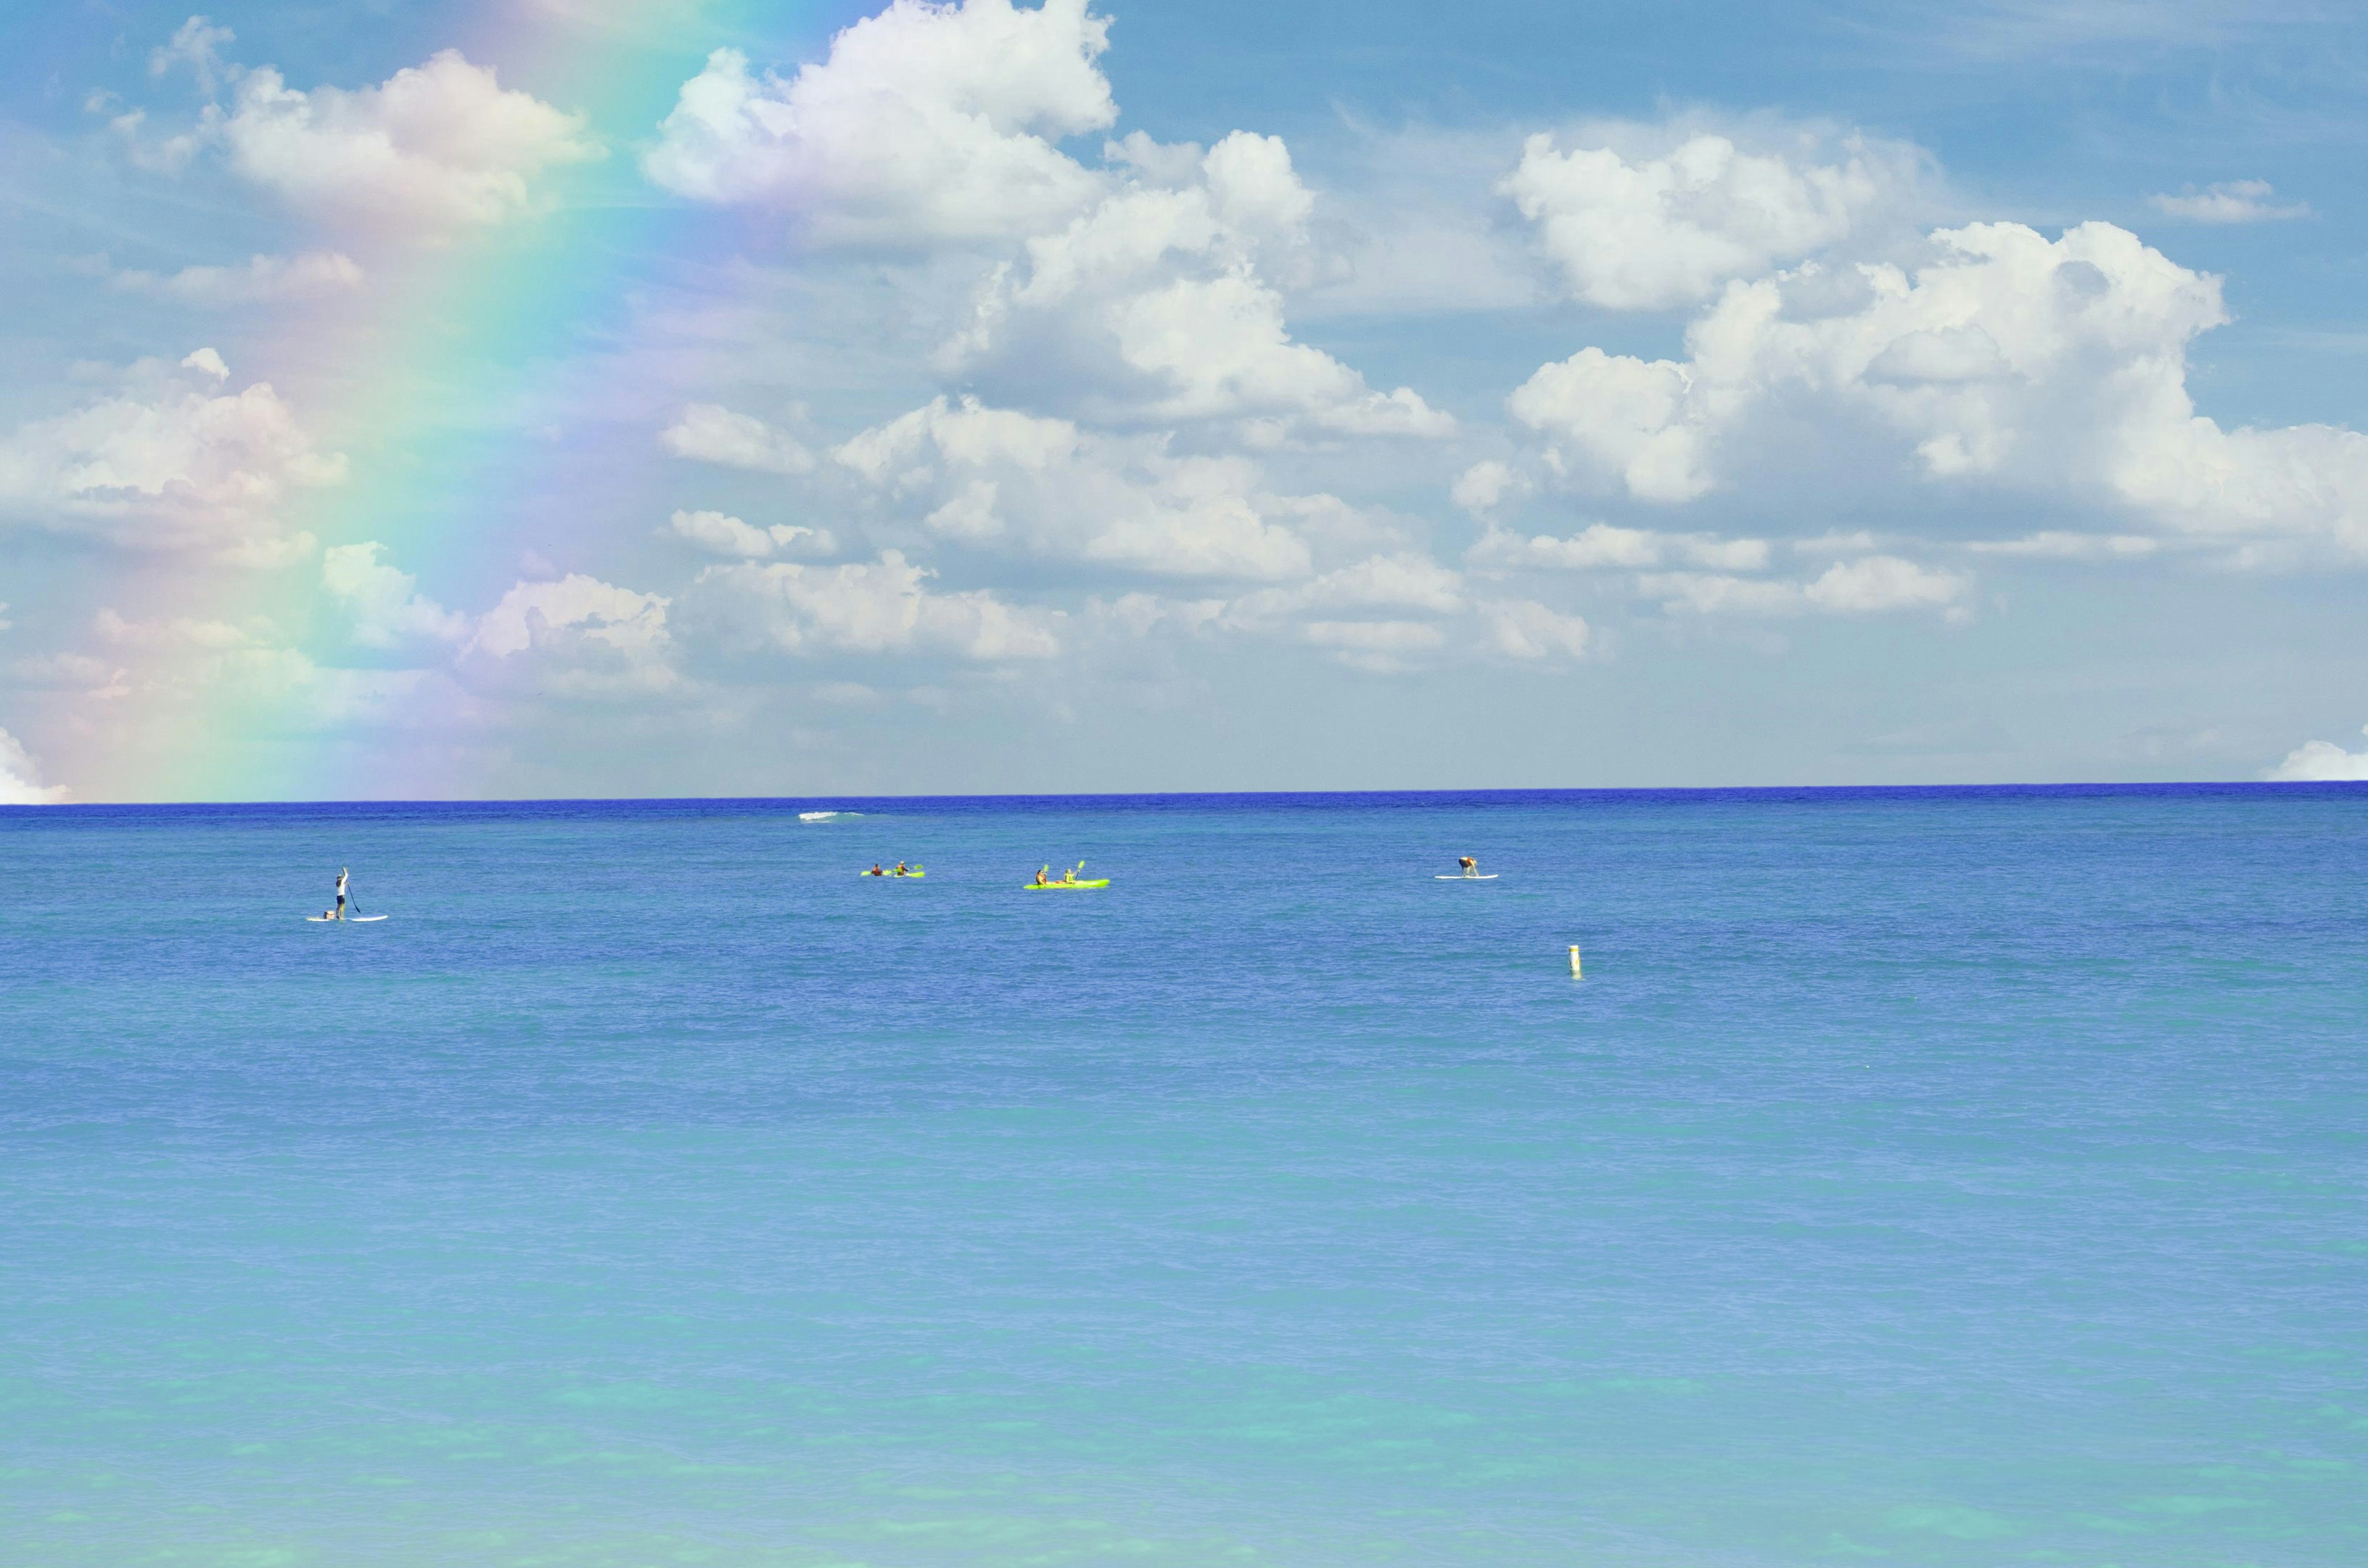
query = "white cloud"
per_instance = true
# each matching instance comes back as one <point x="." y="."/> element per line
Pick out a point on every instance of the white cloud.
<point x="1153" y="306"/>
<point x="927" y="124"/>
<point x="1883" y="583"/>
<point x="2235" y="202"/>
<point x="166" y="463"/>
<point x="1401" y="581"/>
<point x="178" y="634"/>
<point x="197" y="43"/>
<point x="1644" y="229"/>
<point x="2007" y="360"/>
<point x="19" y="778"/>
<point x="710" y="433"/>
<point x="722" y="534"/>
<point x="2321" y="762"/>
<point x="1710" y="594"/>
<point x="229" y="671"/>
<point x="1380" y="647"/>
<point x="1486" y="484"/>
<point x="995" y="478"/>
<point x="1604" y="547"/>
<point x="1524" y="629"/>
<point x="574" y="612"/>
<point x="385" y="603"/>
<point x="1865" y="586"/>
<point x="1620" y="415"/>
<point x="2058" y="545"/>
<point x="263" y="279"/>
<point x="883" y="607"/>
<point x="435" y="147"/>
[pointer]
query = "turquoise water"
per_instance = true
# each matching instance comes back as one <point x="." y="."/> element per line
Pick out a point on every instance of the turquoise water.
<point x="1942" y="1179"/>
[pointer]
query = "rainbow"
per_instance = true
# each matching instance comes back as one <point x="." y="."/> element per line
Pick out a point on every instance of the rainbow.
<point x="457" y="393"/>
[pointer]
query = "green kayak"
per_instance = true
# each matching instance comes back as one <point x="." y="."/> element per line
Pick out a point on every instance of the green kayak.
<point x="892" y="876"/>
<point x="1068" y="879"/>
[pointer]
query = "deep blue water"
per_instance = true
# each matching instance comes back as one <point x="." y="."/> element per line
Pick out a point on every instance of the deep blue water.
<point x="1939" y="1177"/>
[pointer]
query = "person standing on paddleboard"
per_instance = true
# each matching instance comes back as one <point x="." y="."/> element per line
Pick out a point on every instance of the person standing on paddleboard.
<point x="342" y="874"/>
<point x="1470" y="867"/>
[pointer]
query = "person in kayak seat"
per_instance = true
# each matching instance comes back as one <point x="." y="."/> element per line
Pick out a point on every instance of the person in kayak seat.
<point x="1042" y="875"/>
<point x="903" y="870"/>
<point x="875" y="870"/>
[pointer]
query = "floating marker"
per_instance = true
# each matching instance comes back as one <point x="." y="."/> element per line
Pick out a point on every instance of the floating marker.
<point x="1574" y="973"/>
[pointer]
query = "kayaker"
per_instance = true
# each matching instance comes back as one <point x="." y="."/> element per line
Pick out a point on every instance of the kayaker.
<point x="902" y="869"/>
<point x="875" y="870"/>
<point x="1041" y="874"/>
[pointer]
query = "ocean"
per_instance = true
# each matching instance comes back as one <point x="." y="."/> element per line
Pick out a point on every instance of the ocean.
<point x="1947" y="1177"/>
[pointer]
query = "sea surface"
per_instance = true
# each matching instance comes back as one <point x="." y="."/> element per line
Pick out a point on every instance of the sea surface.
<point x="1943" y="1178"/>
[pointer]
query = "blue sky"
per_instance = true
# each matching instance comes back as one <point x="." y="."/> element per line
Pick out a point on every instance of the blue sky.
<point x="565" y="397"/>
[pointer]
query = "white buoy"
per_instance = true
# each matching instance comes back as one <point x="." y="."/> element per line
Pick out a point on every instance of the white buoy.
<point x="1574" y="973"/>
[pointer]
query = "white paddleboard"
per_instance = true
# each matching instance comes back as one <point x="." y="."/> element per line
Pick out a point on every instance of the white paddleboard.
<point x="349" y="920"/>
<point x="1459" y="877"/>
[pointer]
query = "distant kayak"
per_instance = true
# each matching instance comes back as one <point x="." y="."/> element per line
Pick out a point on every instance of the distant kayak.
<point x="894" y="876"/>
<point x="1048" y="887"/>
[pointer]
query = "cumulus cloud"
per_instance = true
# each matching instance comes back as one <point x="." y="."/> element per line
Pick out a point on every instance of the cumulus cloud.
<point x="1603" y="546"/>
<point x="574" y="611"/>
<point x="1869" y="586"/>
<point x="435" y="147"/>
<point x="879" y="607"/>
<point x="385" y="603"/>
<point x="1485" y="485"/>
<point x="2055" y="544"/>
<point x="177" y="634"/>
<point x="264" y="279"/>
<point x="1644" y="229"/>
<point x="1524" y="629"/>
<point x="710" y="433"/>
<point x="2321" y="762"/>
<point x="169" y="461"/>
<point x="1157" y="306"/>
<point x="1384" y="613"/>
<point x="1380" y="647"/>
<point x="1880" y="582"/>
<point x="927" y="124"/>
<point x="994" y="478"/>
<point x="2006" y="359"/>
<point x="722" y="534"/>
<point x="2234" y="202"/>
<point x="19" y="780"/>
<point x="197" y="44"/>
<point x="233" y="669"/>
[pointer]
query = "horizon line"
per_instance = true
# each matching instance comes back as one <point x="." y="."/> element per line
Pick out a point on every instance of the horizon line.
<point x="2170" y="787"/>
